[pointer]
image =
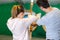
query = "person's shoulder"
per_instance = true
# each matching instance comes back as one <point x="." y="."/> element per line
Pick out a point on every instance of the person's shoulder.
<point x="55" y="8"/>
<point x="13" y="19"/>
<point x="10" y="19"/>
<point x="20" y="21"/>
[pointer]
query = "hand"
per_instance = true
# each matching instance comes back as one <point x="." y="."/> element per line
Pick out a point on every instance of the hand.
<point x="38" y="15"/>
<point x="34" y="24"/>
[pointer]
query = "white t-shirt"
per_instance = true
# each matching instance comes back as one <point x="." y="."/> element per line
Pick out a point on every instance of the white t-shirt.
<point x="19" y="27"/>
<point x="52" y="22"/>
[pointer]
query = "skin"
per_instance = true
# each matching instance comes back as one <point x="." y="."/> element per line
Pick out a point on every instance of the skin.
<point x="21" y="15"/>
<point x="46" y="9"/>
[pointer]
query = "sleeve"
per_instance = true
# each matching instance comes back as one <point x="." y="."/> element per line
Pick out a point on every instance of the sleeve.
<point x="10" y="24"/>
<point x="31" y="19"/>
<point x="14" y="24"/>
<point x="42" y="21"/>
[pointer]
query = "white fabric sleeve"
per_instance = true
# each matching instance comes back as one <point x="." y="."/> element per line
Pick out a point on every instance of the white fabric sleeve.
<point x="41" y="21"/>
<point x="30" y="20"/>
<point x="14" y="23"/>
<point x="10" y="23"/>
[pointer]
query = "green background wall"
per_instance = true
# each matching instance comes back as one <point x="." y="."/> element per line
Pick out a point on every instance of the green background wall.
<point x="5" y="13"/>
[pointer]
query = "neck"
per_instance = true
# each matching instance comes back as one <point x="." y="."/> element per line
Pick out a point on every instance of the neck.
<point x="20" y="17"/>
<point x="49" y="9"/>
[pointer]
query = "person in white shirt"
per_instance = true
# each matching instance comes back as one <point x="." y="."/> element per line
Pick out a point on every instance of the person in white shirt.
<point x="18" y="25"/>
<point x="51" y="20"/>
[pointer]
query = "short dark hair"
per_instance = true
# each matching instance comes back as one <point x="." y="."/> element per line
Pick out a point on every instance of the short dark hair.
<point x="43" y="3"/>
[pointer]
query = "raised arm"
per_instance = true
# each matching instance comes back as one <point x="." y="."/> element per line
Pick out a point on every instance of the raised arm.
<point x="42" y="21"/>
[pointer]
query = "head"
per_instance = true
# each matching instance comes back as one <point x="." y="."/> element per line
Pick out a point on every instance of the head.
<point x="17" y="11"/>
<point x="43" y="4"/>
